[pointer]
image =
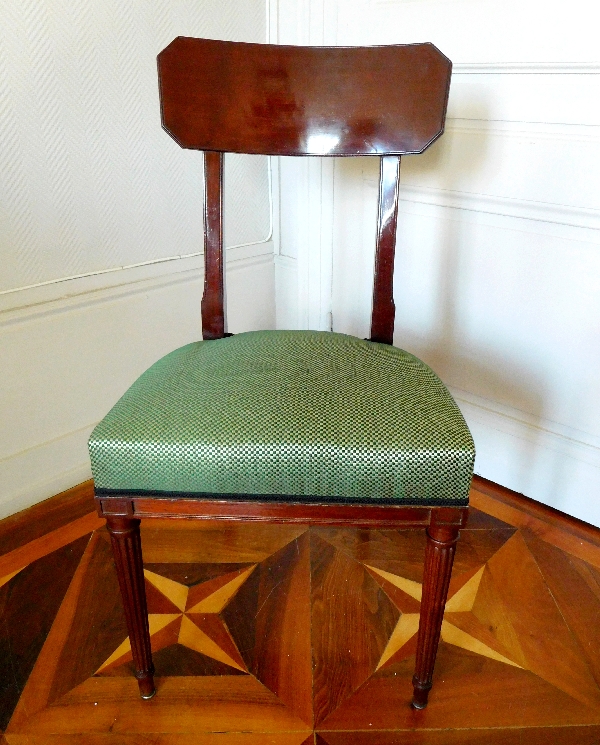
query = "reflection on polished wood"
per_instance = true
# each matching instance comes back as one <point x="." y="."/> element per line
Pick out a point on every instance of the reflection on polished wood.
<point x="295" y="636"/>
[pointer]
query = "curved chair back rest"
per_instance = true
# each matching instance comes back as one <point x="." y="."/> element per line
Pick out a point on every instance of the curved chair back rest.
<point x="221" y="96"/>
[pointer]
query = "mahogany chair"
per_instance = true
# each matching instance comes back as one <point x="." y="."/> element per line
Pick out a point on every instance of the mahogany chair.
<point x="292" y="426"/>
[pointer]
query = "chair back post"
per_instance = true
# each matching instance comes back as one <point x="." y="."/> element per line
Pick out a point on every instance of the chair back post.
<point x="221" y="96"/>
<point x="213" y="302"/>
<point x="384" y="310"/>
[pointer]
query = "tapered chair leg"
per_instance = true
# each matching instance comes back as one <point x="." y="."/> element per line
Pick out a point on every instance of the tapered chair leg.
<point x="127" y="551"/>
<point x="439" y="555"/>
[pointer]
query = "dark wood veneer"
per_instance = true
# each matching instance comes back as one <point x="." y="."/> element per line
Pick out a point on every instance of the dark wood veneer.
<point x="213" y="300"/>
<point x="378" y="516"/>
<point x="384" y="310"/>
<point x="288" y="100"/>
<point x="127" y="552"/>
<point x="439" y="556"/>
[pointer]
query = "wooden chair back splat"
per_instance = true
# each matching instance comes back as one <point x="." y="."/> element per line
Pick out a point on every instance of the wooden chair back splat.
<point x="221" y="97"/>
<point x="277" y="100"/>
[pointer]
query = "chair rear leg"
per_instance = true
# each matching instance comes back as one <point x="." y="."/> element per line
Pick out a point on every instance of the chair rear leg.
<point x="439" y="556"/>
<point x="127" y="551"/>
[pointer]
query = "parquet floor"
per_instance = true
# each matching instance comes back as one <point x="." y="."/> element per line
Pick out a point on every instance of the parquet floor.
<point x="290" y="636"/>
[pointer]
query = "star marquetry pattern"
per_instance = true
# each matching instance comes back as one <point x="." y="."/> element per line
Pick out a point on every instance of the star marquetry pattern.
<point x="279" y="632"/>
<point x="458" y="617"/>
<point x="190" y="617"/>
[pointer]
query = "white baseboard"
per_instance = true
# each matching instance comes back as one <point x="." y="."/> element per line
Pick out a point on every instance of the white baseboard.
<point x="543" y="460"/>
<point x="576" y="217"/>
<point x="61" y="463"/>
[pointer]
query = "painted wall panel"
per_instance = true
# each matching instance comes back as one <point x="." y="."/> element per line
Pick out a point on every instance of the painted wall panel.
<point x="90" y="186"/>
<point x="90" y="181"/>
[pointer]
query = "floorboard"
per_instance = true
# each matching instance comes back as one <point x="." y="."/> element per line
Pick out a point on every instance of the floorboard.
<point x="285" y="635"/>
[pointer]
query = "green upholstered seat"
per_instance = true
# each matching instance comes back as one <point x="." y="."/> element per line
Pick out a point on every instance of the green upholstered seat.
<point x="302" y="414"/>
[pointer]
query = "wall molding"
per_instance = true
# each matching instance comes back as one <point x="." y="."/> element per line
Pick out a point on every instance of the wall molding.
<point x="286" y="292"/>
<point x="80" y="292"/>
<point x="310" y="22"/>
<point x="548" y="462"/>
<point x="559" y="214"/>
<point x="547" y="434"/>
<point x="518" y="129"/>
<point x="526" y="68"/>
<point x="61" y="462"/>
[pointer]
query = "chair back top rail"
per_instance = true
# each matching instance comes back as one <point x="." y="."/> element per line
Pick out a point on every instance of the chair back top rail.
<point x="222" y="96"/>
<point x="283" y="100"/>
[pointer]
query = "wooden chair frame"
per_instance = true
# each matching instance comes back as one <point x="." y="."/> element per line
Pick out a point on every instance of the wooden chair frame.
<point x="185" y="117"/>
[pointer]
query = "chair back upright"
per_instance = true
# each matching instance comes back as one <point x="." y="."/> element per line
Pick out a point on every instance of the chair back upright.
<point x="221" y="96"/>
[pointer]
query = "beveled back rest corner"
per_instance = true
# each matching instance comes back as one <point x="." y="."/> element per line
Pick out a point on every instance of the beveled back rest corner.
<point x="220" y="96"/>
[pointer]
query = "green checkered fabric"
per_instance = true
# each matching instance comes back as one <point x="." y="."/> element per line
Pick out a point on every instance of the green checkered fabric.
<point x="298" y="414"/>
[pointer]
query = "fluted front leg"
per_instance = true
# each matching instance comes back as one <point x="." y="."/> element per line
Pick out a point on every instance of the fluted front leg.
<point x="439" y="555"/>
<point x="127" y="551"/>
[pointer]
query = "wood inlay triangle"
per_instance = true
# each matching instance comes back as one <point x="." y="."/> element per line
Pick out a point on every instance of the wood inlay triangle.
<point x="157" y="622"/>
<point x="8" y="577"/>
<point x="203" y="590"/>
<point x="549" y="648"/>
<point x="157" y="602"/>
<point x="345" y="597"/>
<point x="194" y="638"/>
<point x="576" y="590"/>
<point x="283" y="652"/>
<point x="215" y="602"/>
<point x="214" y="627"/>
<point x="463" y="599"/>
<point x="406" y="628"/>
<point x="404" y="602"/>
<point x="489" y="610"/>
<point x="451" y="634"/>
<point x="174" y="591"/>
<point x="414" y="589"/>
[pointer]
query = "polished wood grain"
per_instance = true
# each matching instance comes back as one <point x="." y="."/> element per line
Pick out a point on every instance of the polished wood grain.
<point x="36" y="693"/>
<point x="442" y="521"/>
<point x="127" y="551"/>
<point x="20" y="557"/>
<point x="283" y="100"/>
<point x="207" y="542"/>
<point x="282" y="640"/>
<point x="323" y="620"/>
<point x="93" y="626"/>
<point x="345" y="598"/>
<point x="471" y="692"/>
<point x="576" y="588"/>
<point x="49" y="515"/>
<point x="315" y="513"/>
<point x="584" y="735"/>
<point x="439" y="557"/>
<point x="531" y="607"/>
<point x="27" y="611"/>
<point x="563" y="531"/>
<point x="213" y="299"/>
<point x="220" y="96"/>
<point x="384" y="310"/>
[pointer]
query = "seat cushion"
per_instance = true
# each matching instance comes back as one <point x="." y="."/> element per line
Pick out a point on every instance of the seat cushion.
<point x="303" y="414"/>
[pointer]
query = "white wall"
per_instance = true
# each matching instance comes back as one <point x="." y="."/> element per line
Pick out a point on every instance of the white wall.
<point x="101" y="222"/>
<point x="498" y="257"/>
